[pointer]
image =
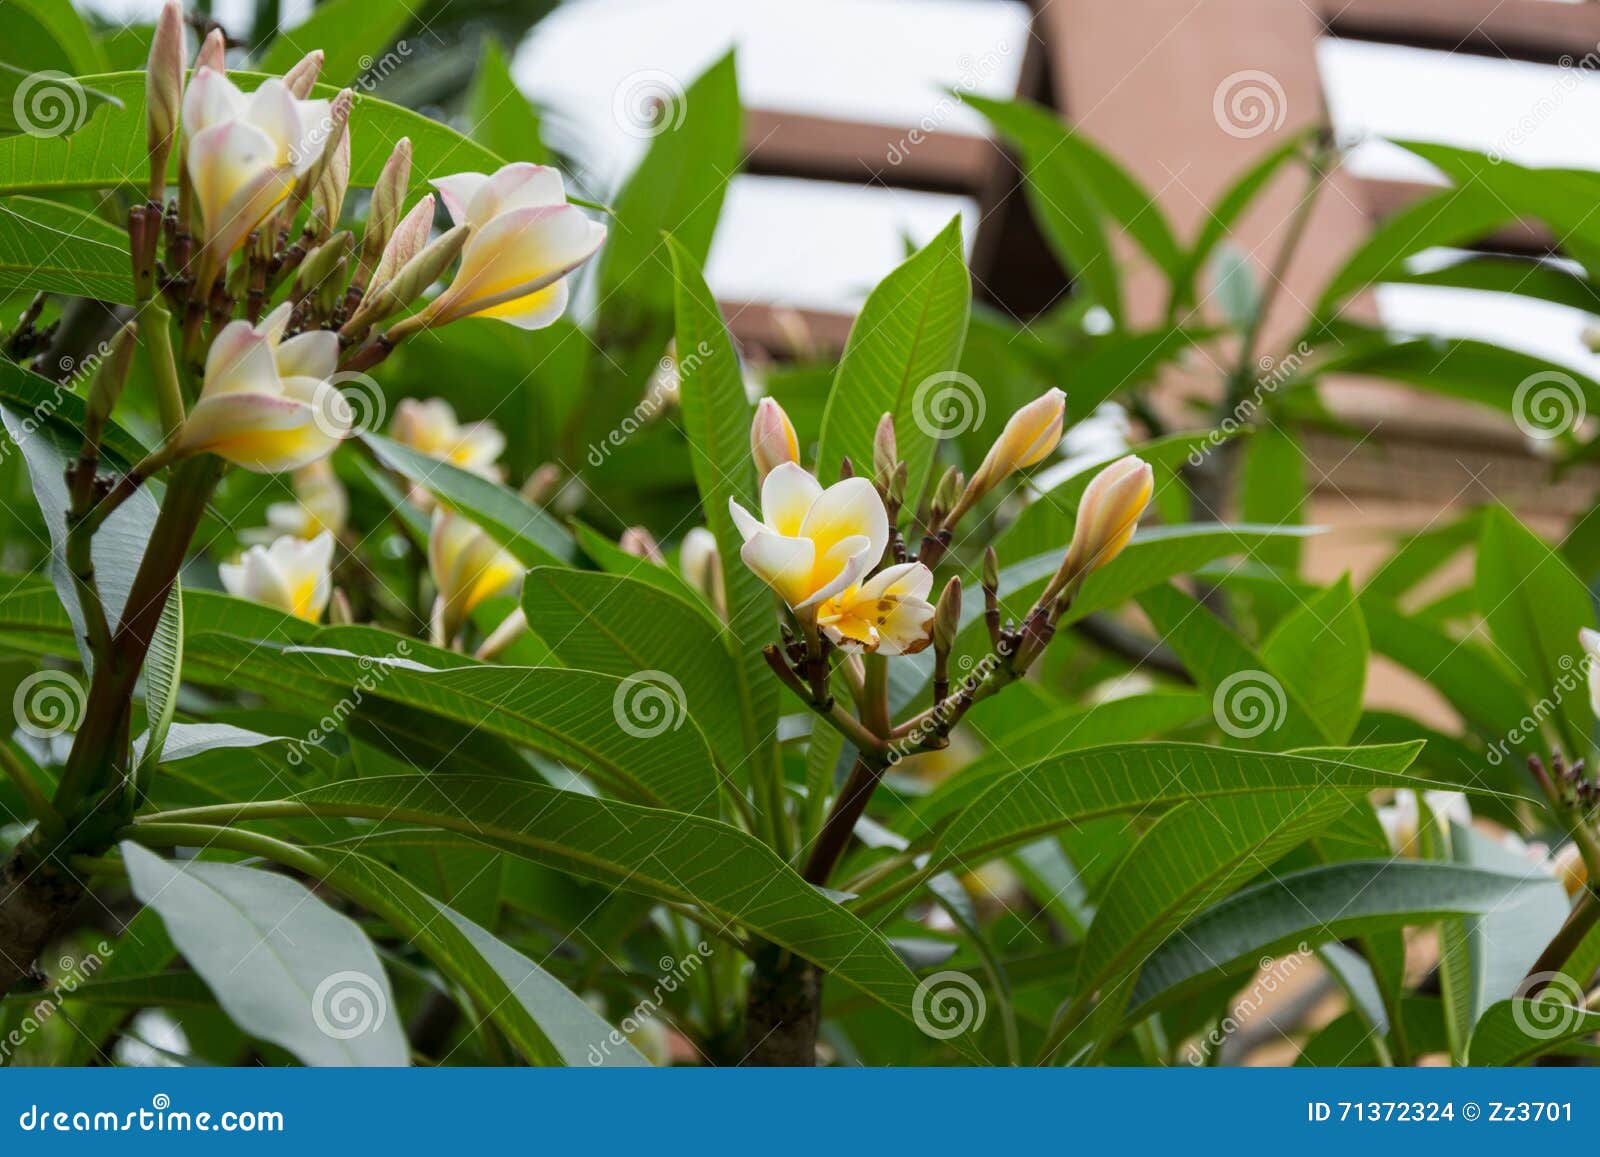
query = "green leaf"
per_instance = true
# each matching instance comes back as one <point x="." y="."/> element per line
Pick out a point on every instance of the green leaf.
<point x="1060" y="194"/>
<point x="163" y="672"/>
<point x="49" y="403"/>
<point x="285" y="966"/>
<point x="1041" y="797"/>
<point x="500" y="117"/>
<point x="626" y="628"/>
<point x="1535" y="278"/>
<point x="50" y="248"/>
<point x="511" y="520"/>
<point x="1534" y="606"/>
<point x="350" y="33"/>
<point x="110" y="150"/>
<point x="1320" y="650"/>
<point x="716" y="419"/>
<point x="1190" y="857"/>
<point x="578" y="717"/>
<point x="1522" y="1029"/>
<point x="46" y="35"/>
<point x="1449" y="217"/>
<point x="676" y="189"/>
<point x="1272" y="489"/>
<point x="671" y="857"/>
<point x="901" y="359"/>
<point x="1312" y="907"/>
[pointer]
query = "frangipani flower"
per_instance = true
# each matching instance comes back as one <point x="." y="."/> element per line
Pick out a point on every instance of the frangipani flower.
<point x="292" y="574"/>
<point x="267" y="404"/>
<point x="430" y="427"/>
<point x="811" y="544"/>
<point x="1109" y="513"/>
<point x="321" y="504"/>
<point x="525" y="239"/>
<point x="467" y="567"/>
<point x="245" y="152"/>
<point x="889" y="613"/>
<point x="1028" y="438"/>
<point x="1401" y="820"/>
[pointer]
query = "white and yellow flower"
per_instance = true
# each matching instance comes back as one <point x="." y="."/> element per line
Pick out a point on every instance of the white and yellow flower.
<point x="1590" y="642"/>
<point x="467" y="567"/>
<point x="1109" y="513"/>
<point x="1401" y="819"/>
<point x="525" y="239"/>
<point x="293" y="574"/>
<point x="430" y="427"/>
<point x="889" y="613"/>
<point x="811" y="544"/>
<point x="244" y="153"/>
<point x="1030" y="436"/>
<point x="267" y="404"/>
<point x="321" y="504"/>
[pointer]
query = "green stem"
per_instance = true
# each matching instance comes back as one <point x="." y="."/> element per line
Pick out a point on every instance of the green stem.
<point x="32" y="792"/>
<point x="169" y="391"/>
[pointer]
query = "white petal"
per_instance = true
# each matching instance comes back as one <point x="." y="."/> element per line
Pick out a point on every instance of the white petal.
<point x="747" y="524"/>
<point x="241" y="362"/>
<point x="313" y="354"/>
<point x="457" y="191"/>
<point x="784" y="564"/>
<point x="906" y="580"/>
<point x="852" y="558"/>
<point x="210" y="99"/>
<point x="519" y="185"/>
<point x="786" y="496"/>
<point x="848" y="508"/>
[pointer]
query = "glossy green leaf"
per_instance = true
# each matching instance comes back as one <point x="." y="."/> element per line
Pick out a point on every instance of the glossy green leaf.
<point x="351" y="33"/>
<point x="285" y="966"/>
<point x="46" y="247"/>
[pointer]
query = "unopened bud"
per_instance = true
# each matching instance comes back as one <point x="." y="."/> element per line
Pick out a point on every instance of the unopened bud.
<point x="541" y="484"/>
<point x="947" y="616"/>
<point x="1029" y="437"/>
<point x="332" y="183"/>
<point x="321" y="264"/>
<point x="164" y="93"/>
<point x="1590" y="336"/>
<point x="884" y="452"/>
<point x="991" y="569"/>
<point x="213" y="52"/>
<point x="772" y="438"/>
<point x="299" y="79"/>
<point x="339" y="608"/>
<point x="106" y="388"/>
<point x="407" y="240"/>
<point x="948" y="490"/>
<point x="410" y="283"/>
<point x="897" y="484"/>
<point x="640" y="543"/>
<point x="388" y="199"/>
<point x="312" y="183"/>
<point x="1107" y="516"/>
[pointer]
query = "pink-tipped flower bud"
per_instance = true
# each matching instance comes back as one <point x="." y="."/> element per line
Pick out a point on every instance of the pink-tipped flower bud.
<point x="772" y="438"/>
<point x="299" y="79"/>
<point x="164" y="93"/>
